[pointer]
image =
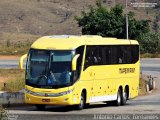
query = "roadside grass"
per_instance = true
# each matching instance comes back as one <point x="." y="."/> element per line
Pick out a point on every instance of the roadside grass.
<point x="16" y="43"/>
<point x="3" y="113"/>
<point x="142" y="86"/>
<point x="12" y="80"/>
<point x="18" y="48"/>
<point x="149" y="55"/>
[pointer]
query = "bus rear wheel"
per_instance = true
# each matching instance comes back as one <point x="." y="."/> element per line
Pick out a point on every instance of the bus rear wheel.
<point x="40" y="107"/>
<point x="118" y="101"/>
<point x="124" y="98"/>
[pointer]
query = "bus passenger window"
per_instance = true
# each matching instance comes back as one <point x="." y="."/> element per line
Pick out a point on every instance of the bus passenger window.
<point x="129" y="55"/>
<point x="97" y="55"/>
<point x="120" y="60"/>
<point x="135" y="53"/>
<point x="88" y="60"/>
<point x="108" y="55"/>
<point x="114" y="54"/>
<point x="95" y="60"/>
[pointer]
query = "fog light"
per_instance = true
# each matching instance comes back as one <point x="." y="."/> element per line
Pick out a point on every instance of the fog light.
<point x="74" y="99"/>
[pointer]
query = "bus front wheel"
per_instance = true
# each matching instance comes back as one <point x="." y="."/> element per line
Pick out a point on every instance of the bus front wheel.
<point x="82" y="102"/>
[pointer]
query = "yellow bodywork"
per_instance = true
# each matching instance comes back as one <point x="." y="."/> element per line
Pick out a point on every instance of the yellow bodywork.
<point x="101" y="82"/>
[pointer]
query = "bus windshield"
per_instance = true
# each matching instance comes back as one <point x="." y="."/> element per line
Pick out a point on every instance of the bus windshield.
<point x="49" y="69"/>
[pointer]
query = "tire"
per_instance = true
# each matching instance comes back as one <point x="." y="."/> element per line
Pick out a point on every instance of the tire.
<point x="82" y="102"/>
<point x="86" y="105"/>
<point x="40" y="107"/>
<point x="119" y="98"/>
<point x="118" y="101"/>
<point x="124" y="98"/>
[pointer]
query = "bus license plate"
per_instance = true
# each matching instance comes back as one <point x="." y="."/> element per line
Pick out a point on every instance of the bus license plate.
<point x="45" y="100"/>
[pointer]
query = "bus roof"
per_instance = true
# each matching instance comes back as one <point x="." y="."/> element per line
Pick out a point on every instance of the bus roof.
<point x="70" y="42"/>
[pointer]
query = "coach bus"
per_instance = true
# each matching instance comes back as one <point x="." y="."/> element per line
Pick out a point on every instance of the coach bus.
<point x="78" y="70"/>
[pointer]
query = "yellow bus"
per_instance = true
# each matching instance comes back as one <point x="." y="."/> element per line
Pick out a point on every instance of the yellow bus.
<point x="78" y="70"/>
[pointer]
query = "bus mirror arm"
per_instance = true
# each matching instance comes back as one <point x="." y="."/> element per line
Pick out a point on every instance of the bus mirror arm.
<point x="21" y="60"/>
<point x="74" y="62"/>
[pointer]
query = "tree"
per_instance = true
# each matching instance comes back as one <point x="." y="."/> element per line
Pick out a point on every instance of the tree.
<point x="155" y="24"/>
<point x="150" y="43"/>
<point x="110" y="23"/>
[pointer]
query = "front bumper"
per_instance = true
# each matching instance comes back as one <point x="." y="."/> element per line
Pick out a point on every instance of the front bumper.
<point x="60" y="100"/>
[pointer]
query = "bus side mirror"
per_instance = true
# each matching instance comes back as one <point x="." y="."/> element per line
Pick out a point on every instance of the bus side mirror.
<point x="21" y="60"/>
<point x="74" y="62"/>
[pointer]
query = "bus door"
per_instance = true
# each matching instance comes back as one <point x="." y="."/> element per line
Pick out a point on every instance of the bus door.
<point x="98" y="71"/>
<point x="88" y="72"/>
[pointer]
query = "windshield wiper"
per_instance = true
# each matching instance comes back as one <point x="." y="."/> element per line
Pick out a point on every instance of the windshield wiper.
<point x="42" y="77"/>
<point x="52" y="75"/>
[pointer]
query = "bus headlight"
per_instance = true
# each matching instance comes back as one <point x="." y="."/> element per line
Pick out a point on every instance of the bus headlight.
<point x="34" y="93"/>
<point x="66" y="92"/>
<point x="49" y="94"/>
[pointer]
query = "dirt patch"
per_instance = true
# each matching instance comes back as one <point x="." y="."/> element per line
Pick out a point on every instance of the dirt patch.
<point x="2" y="79"/>
<point x="1" y="82"/>
<point x="8" y="57"/>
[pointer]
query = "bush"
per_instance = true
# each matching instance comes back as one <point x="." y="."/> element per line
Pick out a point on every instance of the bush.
<point x="150" y="43"/>
<point x="3" y="113"/>
<point x="149" y="55"/>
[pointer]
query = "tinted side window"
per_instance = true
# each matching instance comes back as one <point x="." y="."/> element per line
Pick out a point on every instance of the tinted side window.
<point x="97" y="55"/>
<point x="114" y="54"/>
<point x="135" y="53"/>
<point x="122" y="55"/>
<point x="93" y="56"/>
<point x="105" y="55"/>
<point x="111" y="55"/>
<point x="88" y="55"/>
<point x="129" y="54"/>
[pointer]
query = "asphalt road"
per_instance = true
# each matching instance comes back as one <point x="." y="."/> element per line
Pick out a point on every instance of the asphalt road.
<point x="140" y="107"/>
<point x="8" y="63"/>
<point x="149" y="105"/>
<point x="150" y="64"/>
